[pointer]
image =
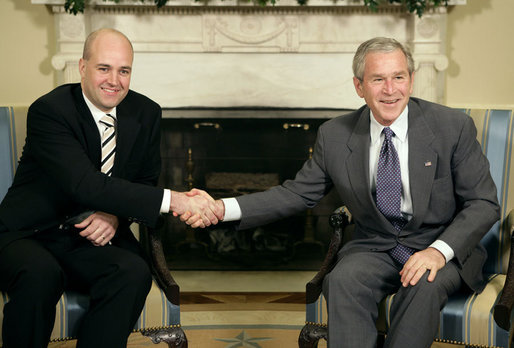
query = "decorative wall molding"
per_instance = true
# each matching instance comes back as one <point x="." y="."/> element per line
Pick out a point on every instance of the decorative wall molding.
<point x="263" y="33"/>
<point x="234" y="54"/>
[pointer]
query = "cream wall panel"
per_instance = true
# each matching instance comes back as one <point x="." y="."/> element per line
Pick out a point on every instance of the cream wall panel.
<point x="26" y="47"/>
<point x="480" y="49"/>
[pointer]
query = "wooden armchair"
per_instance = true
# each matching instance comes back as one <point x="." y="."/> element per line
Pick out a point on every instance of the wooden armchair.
<point x="160" y="318"/>
<point x="469" y="319"/>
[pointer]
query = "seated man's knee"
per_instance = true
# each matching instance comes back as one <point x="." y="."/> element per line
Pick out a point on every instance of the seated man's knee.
<point x="347" y="273"/>
<point x="437" y="290"/>
<point x="44" y="278"/>
<point x="136" y="271"/>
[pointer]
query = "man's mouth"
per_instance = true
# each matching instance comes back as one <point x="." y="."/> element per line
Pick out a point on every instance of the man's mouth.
<point x="110" y="90"/>
<point x="389" y="102"/>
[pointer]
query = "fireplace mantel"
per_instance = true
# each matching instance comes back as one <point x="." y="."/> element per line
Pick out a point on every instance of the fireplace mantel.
<point x="234" y="54"/>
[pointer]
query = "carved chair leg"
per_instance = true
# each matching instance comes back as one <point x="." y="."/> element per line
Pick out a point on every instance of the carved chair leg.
<point x="310" y="335"/>
<point x="173" y="336"/>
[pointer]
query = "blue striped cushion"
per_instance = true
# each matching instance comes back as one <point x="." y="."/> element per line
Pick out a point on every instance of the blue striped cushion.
<point x="8" y="157"/>
<point x="466" y="318"/>
<point x="495" y="133"/>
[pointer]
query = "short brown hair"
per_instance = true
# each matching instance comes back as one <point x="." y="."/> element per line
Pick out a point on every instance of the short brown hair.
<point x="378" y="44"/>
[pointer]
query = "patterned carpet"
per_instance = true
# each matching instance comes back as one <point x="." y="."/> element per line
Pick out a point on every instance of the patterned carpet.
<point x="231" y="320"/>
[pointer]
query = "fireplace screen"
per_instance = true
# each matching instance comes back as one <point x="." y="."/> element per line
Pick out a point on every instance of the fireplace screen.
<point x="235" y="152"/>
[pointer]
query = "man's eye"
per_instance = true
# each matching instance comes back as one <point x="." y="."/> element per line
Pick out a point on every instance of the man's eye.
<point x="125" y="72"/>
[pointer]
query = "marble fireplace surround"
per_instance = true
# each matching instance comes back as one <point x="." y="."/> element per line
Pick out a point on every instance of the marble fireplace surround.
<point x="233" y="54"/>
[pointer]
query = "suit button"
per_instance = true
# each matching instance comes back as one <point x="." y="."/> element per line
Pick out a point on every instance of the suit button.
<point x="401" y="239"/>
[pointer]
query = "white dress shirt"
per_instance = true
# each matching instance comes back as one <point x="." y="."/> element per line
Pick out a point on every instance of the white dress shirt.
<point x="400" y="141"/>
<point x="97" y="115"/>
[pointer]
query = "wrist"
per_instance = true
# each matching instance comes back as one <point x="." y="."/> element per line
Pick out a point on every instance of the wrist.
<point x="221" y="207"/>
<point x="176" y="201"/>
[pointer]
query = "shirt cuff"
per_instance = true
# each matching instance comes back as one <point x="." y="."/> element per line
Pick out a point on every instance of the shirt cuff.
<point x="232" y="209"/>
<point x="166" y="202"/>
<point x="444" y="249"/>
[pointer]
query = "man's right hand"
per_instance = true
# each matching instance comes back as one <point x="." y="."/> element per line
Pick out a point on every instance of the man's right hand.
<point x="199" y="207"/>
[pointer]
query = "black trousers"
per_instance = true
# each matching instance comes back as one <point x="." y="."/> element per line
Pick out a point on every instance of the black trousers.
<point x="35" y="271"/>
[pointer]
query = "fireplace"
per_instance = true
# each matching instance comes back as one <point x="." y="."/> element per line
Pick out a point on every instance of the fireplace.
<point x="234" y="151"/>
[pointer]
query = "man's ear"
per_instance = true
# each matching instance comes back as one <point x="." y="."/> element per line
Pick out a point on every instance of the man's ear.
<point x="358" y="87"/>
<point x="82" y="67"/>
<point x="411" y="82"/>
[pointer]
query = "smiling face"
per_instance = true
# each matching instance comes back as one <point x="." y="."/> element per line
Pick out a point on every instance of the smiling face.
<point x="105" y="74"/>
<point x="386" y="85"/>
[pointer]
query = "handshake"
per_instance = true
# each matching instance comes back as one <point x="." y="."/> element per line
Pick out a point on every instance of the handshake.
<point x="197" y="208"/>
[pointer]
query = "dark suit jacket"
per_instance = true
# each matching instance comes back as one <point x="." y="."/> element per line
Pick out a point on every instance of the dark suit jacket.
<point x="59" y="171"/>
<point x="453" y="195"/>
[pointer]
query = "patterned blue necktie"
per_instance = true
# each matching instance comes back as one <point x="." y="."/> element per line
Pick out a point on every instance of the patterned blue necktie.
<point x="389" y="192"/>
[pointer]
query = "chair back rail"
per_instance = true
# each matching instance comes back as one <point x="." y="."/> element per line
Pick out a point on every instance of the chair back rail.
<point x="8" y="155"/>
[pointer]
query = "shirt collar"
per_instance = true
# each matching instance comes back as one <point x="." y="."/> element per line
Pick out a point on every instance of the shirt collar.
<point x="96" y="112"/>
<point x="399" y="126"/>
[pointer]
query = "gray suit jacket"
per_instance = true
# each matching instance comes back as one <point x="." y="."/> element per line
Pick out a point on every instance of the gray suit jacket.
<point x="453" y="195"/>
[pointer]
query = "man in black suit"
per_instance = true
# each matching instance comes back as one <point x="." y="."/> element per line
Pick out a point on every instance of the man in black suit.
<point x="65" y="170"/>
<point x="417" y="232"/>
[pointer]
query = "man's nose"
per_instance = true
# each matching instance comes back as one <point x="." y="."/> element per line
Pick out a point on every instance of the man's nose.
<point x="112" y="78"/>
<point x="388" y="86"/>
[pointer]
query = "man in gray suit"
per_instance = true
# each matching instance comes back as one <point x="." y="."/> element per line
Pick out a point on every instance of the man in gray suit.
<point x="419" y="189"/>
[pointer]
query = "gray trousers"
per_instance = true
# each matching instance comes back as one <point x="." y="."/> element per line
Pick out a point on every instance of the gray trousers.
<point x="358" y="283"/>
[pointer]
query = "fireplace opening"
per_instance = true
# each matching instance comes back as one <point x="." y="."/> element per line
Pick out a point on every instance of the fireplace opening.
<point x="229" y="152"/>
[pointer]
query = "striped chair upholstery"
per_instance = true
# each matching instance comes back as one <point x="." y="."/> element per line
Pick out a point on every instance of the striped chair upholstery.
<point x="467" y="318"/>
<point x="160" y="318"/>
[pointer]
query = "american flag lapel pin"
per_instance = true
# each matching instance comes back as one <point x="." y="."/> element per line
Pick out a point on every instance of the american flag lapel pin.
<point x="428" y="163"/>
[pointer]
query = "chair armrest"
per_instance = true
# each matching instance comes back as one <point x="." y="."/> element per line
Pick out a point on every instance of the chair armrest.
<point x="339" y="219"/>
<point x="503" y="309"/>
<point x="160" y="271"/>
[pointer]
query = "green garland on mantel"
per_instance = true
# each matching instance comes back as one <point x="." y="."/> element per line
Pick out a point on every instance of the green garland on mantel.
<point x="413" y="6"/>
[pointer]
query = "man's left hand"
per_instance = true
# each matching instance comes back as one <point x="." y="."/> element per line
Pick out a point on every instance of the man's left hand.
<point x="429" y="259"/>
<point x="99" y="228"/>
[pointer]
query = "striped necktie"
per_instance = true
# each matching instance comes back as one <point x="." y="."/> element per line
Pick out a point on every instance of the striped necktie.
<point x="108" y="143"/>
<point x="389" y="192"/>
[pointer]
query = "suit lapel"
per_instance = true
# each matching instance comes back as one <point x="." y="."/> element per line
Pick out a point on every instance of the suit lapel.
<point x="422" y="162"/>
<point x="357" y="163"/>
<point x="127" y="128"/>
<point x="87" y="123"/>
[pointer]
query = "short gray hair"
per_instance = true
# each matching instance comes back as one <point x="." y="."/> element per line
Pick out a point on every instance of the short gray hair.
<point x="379" y="44"/>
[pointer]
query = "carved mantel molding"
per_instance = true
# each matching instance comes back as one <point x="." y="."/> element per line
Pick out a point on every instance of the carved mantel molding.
<point x="235" y="54"/>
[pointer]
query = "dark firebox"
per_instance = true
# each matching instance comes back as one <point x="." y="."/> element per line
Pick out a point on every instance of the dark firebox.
<point x="229" y="152"/>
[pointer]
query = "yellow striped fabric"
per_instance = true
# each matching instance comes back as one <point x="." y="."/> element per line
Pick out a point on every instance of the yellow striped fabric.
<point x="157" y="310"/>
<point x="469" y="317"/>
<point x="494" y="132"/>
